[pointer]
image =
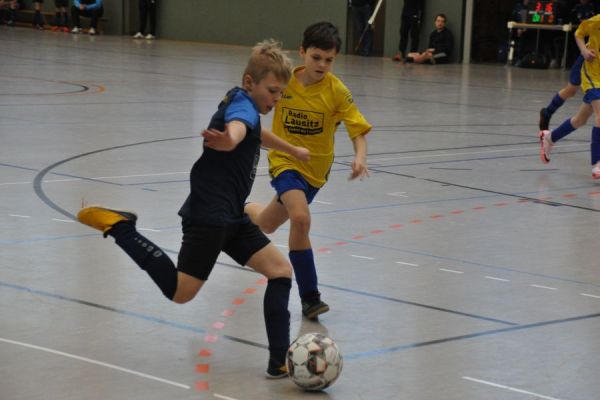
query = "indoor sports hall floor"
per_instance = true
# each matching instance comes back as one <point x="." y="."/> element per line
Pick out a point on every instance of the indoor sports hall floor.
<point x="462" y="268"/>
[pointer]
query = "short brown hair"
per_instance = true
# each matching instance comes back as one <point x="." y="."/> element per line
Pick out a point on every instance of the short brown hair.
<point x="267" y="56"/>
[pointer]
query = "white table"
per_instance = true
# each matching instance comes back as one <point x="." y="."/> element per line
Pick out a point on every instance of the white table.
<point x="566" y="28"/>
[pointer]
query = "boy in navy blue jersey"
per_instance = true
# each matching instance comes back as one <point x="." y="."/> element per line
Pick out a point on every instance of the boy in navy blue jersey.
<point x="213" y="218"/>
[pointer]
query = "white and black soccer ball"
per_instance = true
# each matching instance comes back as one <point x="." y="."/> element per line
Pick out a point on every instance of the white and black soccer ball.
<point x="314" y="361"/>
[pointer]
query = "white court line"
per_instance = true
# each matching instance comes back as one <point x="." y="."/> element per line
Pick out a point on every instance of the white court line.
<point x="363" y="257"/>
<point x="451" y="270"/>
<point x="100" y="363"/>
<point x="512" y="389"/>
<point x="19" y="216"/>
<point x="220" y="396"/>
<point x="543" y="287"/>
<point x="99" y="177"/>
<point x="397" y="194"/>
<point x="405" y="263"/>
<point x="322" y="202"/>
<point x="63" y="220"/>
<point x="462" y="154"/>
<point x="590" y="295"/>
<point x="283" y="246"/>
<point x="148" y="229"/>
<point x="497" y="279"/>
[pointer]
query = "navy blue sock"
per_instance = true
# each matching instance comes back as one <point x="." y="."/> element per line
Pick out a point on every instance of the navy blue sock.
<point x="554" y="105"/>
<point x="563" y="130"/>
<point x="277" y="317"/>
<point x="595" y="146"/>
<point x="305" y="271"/>
<point x="147" y="256"/>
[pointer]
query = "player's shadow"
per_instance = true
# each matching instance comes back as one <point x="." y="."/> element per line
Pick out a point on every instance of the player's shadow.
<point x="307" y="326"/>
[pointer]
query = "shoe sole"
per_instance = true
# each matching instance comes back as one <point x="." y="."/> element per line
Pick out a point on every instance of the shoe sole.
<point x="273" y="377"/>
<point x="543" y="158"/>
<point x="315" y="313"/>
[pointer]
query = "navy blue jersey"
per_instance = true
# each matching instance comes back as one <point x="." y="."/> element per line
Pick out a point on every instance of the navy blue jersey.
<point x="221" y="181"/>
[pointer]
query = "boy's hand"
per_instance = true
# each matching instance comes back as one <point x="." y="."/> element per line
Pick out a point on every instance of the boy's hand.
<point x="218" y="140"/>
<point x="589" y="54"/>
<point x="301" y="153"/>
<point x="359" y="170"/>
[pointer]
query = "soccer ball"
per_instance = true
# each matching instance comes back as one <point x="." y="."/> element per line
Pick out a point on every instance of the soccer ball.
<point x="314" y="361"/>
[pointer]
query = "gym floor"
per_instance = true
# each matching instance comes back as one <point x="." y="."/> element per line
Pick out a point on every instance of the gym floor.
<point x="463" y="268"/>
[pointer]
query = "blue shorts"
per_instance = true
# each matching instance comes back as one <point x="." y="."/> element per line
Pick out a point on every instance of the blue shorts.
<point x="575" y="73"/>
<point x="591" y="95"/>
<point x="289" y="180"/>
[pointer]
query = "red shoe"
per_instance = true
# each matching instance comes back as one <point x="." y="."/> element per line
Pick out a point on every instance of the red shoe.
<point x="596" y="171"/>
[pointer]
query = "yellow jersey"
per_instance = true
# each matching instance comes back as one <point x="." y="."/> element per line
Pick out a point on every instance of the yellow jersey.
<point x="590" y="71"/>
<point x="308" y="117"/>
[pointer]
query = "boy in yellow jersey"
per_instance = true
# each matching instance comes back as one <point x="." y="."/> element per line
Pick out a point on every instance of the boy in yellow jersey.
<point x="590" y="84"/>
<point x="314" y="103"/>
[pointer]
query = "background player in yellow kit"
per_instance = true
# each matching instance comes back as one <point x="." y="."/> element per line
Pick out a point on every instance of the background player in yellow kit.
<point x="314" y="103"/>
<point x="590" y="84"/>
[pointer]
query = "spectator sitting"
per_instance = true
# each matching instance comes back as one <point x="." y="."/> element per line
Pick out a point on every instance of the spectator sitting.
<point x="87" y="8"/>
<point x="10" y="6"/>
<point x="440" y="45"/>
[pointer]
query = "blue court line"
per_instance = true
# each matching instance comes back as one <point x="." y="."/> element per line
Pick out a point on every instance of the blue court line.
<point x="393" y="349"/>
<point x="132" y="314"/>
<point x="103" y="307"/>
<point x="352" y="356"/>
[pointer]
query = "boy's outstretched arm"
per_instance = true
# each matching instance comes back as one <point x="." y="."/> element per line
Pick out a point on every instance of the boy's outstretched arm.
<point x="359" y="165"/>
<point x="227" y="140"/>
<point x="272" y="141"/>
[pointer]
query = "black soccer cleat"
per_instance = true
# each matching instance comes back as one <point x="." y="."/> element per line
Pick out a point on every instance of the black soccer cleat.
<point x="313" y="306"/>
<point x="544" y="120"/>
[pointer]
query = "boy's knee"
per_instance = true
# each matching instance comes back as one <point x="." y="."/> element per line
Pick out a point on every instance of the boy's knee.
<point x="182" y="296"/>
<point x="267" y="228"/>
<point x="300" y="220"/>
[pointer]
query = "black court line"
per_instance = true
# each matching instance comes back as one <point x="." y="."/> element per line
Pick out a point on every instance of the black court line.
<point x="393" y="349"/>
<point x="381" y="297"/>
<point x="352" y="356"/>
<point x="452" y="169"/>
<point x="39" y="178"/>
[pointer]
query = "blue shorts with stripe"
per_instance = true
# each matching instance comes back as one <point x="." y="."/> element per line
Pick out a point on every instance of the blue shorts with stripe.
<point x="289" y="180"/>
<point x="591" y="95"/>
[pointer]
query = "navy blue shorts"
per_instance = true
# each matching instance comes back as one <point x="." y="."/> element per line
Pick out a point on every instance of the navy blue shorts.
<point x="291" y="179"/>
<point x="591" y="95"/>
<point x="575" y="73"/>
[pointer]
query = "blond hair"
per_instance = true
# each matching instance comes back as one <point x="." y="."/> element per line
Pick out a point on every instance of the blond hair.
<point x="267" y="56"/>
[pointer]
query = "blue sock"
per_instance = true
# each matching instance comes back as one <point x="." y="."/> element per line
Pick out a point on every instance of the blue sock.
<point x="305" y="271"/>
<point x="595" y="146"/>
<point x="563" y="130"/>
<point x="277" y="317"/>
<point x="554" y="105"/>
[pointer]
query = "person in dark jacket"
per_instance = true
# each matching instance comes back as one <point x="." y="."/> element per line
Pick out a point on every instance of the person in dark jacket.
<point x="440" y="45"/>
<point x="362" y="12"/>
<point x="410" y="25"/>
